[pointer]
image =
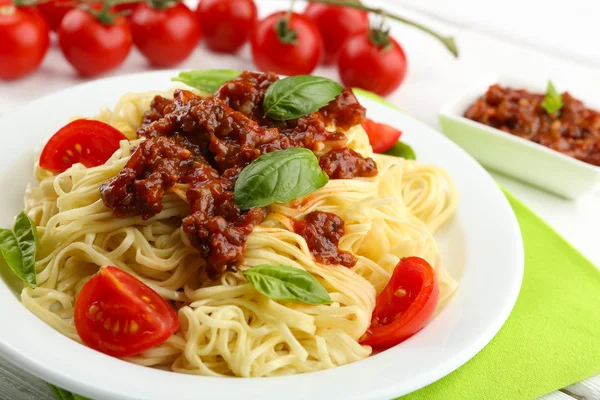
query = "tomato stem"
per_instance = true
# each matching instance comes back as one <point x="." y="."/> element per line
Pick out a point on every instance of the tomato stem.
<point x="447" y="41"/>
<point x="286" y="34"/>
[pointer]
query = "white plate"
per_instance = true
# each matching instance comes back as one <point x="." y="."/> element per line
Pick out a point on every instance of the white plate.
<point x="520" y="158"/>
<point x="482" y="247"/>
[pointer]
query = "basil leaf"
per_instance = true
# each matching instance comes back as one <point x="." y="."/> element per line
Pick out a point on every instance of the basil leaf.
<point x="400" y="149"/>
<point x="553" y="101"/>
<point x="284" y="283"/>
<point x="293" y="97"/>
<point x="278" y="177"/>
<point x="18" y="248"/>
<point x="61" y="394"/>
<point x="208" y="80"/>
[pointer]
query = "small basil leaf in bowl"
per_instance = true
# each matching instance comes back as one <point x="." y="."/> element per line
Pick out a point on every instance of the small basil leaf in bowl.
<point x="279" y="177"/>
<point x="296" y="96"/>
<point x="207" y="80"/>
<point x="401" y="149"/>
<point x="285" y="283"/>
<point x="18" y="248"/>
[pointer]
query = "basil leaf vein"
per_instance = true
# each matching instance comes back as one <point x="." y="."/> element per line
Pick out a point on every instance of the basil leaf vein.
<point x="401" y="149"/>
<point x="18" y="248"/>
<point x="553" y="100"/>
<point x="208" y="80"/>
<point x="285" y="283"/>
<point x="293" y="97"/>
<point x="278" y="177"/>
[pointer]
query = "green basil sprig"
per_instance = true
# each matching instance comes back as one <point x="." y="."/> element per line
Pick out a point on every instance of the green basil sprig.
<point x="207" y="80"/>
<point x="293" y="97"/>
<point x="285" y="283"/>
<point x="61" y="394"/>
<point x="278" y="177"/>
<point x="553" y="100"/>
<point x="18" y="248"/>
<point x="401" y="149"/>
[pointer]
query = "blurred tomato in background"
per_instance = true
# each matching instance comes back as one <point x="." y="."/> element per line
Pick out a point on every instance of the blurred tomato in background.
<point x="287" y="43"/>
<point x="24" y="40"/>
<point x="336" y="25"/>
<point x="166" y="35"/>
<point x="227" y="24"/>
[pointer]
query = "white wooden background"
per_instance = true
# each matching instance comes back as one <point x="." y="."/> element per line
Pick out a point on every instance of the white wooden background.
<point x="527" y="39"/>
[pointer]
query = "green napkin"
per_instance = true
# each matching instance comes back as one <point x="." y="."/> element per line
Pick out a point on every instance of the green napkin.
<point x="552" y="337"/>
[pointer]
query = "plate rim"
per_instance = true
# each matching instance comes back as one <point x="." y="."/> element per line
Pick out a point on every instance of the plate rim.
<point x="62" y="379"/>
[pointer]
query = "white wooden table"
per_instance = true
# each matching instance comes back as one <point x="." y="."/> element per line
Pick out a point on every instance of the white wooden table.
<point x="530" y="40"/>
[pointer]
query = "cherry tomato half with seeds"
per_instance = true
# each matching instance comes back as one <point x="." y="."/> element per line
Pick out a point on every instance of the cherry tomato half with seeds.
<point x="83" y="141"/>
<point x="373" y="61"/>
<point x="291" y="47"/>
<point x="24" y="41"/>
<point x="93" y="47"/>
<point x="336" y="24"/>
<point x="165" y="36"/>
<point x="226" y="24"/>
<point x="117" y="314"/>
<point x="405" y="305"/>
<point x="381" y="136"/>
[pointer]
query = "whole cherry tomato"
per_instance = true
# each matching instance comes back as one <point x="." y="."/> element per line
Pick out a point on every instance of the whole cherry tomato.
<point x="24" y="41"/>
<point x="83" y="141"/>
<point x="94" y="42"/>
<point x="165" y="36"/>
<point x="119" y="315"/>
<point x="405" y="305"/>
<point x="288" y="47"/>
<point x="226" y="24"/>
<point x="374" y="62"/>
<point x="336" y="24"/>
<point x="54" y="11"/>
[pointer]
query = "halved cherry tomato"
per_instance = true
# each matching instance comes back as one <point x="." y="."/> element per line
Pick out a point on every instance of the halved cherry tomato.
<point x="405" y="305"/>
<point x="381" y="136"/>
<point x="81" y="141"/>
<point x="118" y="315"/>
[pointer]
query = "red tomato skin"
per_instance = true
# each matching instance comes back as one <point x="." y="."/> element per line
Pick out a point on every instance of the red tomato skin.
<point x="270" y="54"/>
<point x="97" y="141"/>
<point x="381" y="136"/>
<point x="336" y="24"/>
<point x="362" y="64"/>
<point x="109" y="302"/>
<point x="167" y="36"/>
<point x="54" y="11"/>
<point x="24" y="41"/>
<point x="226" y="24"/>
<point x="396" y="318"/>
<point x="91" y="47"/>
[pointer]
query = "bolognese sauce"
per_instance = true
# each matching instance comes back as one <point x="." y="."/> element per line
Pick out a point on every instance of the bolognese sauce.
<point x="203" y="143"/>
<point x="574" y="130"/>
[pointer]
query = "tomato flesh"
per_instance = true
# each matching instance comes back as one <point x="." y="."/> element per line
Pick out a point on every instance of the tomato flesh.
<point x="381" y="136"/>
<point x="81" y="141"/>
<point x="118" y="315"/>
<point x="405" y="305"/>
